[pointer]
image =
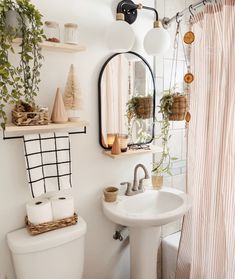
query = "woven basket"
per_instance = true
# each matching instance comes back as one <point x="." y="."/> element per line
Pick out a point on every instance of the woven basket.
<point x="110" y="194"/>
<point x="144" y="107"/>
<point x="178" y="109"/>
<point x="30" y="118"/>
<point x="50" y="226"/>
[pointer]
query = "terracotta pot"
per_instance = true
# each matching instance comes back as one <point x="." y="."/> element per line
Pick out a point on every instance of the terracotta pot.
<point x="110" y="194"/>
<point x="157" y="181"/>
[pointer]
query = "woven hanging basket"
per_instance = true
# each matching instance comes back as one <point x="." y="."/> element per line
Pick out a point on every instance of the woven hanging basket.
<point x="178" y="109"/>
<point x="144" y="107"/>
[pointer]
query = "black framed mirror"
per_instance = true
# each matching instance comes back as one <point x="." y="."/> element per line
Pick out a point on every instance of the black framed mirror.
<point x="126" y="90"/>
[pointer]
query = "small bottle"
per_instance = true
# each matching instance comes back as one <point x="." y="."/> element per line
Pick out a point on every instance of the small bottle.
<point x="71" y="33"/>
<point x="52" y="31"/>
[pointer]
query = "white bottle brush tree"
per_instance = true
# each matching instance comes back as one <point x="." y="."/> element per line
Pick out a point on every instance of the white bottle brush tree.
<point x="72" y="95"/>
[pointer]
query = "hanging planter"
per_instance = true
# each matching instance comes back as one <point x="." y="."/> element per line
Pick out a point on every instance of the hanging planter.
<point x="19" y="82"/>
<point x="144" y="107"/>
<point x="178" y="108"/>
<point x="173" y="106"/>
<point x="141" y="107"/>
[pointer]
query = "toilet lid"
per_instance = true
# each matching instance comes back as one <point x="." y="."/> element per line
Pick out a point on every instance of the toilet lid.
<point x="21" y="242"/>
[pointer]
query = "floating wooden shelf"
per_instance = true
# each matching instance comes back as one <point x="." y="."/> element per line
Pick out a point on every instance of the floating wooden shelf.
<point x="10" y="128"/>
<point x="128" y="153"/>
<point x="56" y="46"/>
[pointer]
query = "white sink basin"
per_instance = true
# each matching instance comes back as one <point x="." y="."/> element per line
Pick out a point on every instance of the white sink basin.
<point x="151" y="208"/>
<point x="144" y="214"/>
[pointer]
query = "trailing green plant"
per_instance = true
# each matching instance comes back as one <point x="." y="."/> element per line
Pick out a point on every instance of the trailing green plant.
<point x="164" y="164"/>
<point x="133" y="119"/>
<point x="21" y="81"/>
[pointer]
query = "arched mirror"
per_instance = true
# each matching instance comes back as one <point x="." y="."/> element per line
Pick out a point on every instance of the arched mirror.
<point x="126" y="100"/>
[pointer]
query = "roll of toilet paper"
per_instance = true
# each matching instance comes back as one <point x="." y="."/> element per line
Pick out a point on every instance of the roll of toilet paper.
<point x="39" y="211"/>
<point x="62" y="207"/>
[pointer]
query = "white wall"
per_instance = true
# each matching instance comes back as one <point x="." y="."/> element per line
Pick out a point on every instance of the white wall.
<point x="92" y="171"/>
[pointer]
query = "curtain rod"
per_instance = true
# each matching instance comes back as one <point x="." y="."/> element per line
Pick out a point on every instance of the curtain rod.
<point x="167" y="21"/>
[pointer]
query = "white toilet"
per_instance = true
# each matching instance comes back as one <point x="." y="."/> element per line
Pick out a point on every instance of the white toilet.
<point x="57" y="254"/>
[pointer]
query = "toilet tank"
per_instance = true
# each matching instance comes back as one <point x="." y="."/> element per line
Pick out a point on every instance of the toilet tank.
<point x="57" y="254"/>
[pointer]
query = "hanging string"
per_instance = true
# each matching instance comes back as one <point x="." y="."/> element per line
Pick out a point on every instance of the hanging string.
<point x="175" y="56"/>
<point x="184" y="50"/>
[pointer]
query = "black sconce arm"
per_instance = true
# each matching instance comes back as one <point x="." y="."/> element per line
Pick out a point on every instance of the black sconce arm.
<point x="129" y="9"/>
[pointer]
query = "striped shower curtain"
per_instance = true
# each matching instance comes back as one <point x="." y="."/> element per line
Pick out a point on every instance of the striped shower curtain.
<point x="207" y="249"/>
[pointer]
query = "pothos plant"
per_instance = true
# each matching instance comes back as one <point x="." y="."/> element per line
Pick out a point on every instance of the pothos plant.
<point x="133" y="119"/>
<point x="20" y="81"/>
<point x="164" y="164"/>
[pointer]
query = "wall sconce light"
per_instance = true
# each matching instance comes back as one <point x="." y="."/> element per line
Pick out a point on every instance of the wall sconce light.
<point x="121" y="37"/>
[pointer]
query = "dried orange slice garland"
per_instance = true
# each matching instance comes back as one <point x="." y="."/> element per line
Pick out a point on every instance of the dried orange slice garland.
<point x="189" y="78"/>
<point x="189" y="38"/>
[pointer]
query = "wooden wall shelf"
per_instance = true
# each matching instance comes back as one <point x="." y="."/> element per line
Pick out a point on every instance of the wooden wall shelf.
<point x="57" y="46"/>
<point x="11" y="128"/>
<point x="52" y="126"/>
<point x="128" y="153"/>
<point x="131" y="152"/>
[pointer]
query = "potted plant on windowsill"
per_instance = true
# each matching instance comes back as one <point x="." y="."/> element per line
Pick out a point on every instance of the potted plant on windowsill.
<point x="19" y="82"/>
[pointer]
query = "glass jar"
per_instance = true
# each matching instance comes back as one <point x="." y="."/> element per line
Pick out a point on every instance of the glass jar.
<point x="71" y="33"/>
<point x="52" y="31"/>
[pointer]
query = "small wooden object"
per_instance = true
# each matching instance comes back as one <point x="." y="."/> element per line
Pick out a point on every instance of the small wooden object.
<point x="116" y="149"/>
<point x="188" y="117"/>
<point x="59" y="113"/>
<point x="50" y="226"/>
<point x="189" y="78"/>
<point x="110" y="194"/>
<point x="179" y="108"/>
<point x="189" y="37"/>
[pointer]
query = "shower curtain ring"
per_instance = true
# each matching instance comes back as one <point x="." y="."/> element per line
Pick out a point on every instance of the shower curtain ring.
<point x="190" y="8"/>
<point x="177" y="18"/>
<point x="204" y="2"/>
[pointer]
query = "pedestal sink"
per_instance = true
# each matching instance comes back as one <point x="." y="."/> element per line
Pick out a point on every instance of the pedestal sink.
<point x="144" y="214"/>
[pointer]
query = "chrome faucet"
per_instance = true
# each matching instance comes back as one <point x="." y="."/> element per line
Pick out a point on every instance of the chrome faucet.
<point x="136" y="189"/>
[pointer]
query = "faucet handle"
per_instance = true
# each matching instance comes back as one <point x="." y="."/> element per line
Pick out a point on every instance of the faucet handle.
<point x="125" y="183"/>
<point x="128" y="189"/>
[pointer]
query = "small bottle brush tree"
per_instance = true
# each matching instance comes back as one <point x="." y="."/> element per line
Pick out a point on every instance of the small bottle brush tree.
<point x="72" y="95"/>
<point x="20" y="81"/>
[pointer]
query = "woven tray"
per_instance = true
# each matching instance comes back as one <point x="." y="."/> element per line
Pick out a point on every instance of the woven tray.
<point x="30" y="118"/>
<point x="50" y="226"/>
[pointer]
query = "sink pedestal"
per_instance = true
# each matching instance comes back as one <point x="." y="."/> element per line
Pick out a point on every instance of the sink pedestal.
<point x="144" y="243"/>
